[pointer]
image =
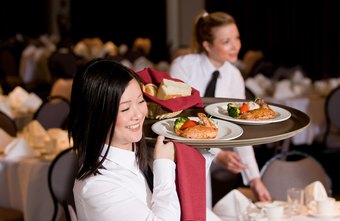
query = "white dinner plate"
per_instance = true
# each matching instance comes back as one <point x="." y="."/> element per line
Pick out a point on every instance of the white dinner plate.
<point x="226" y="131"/>
<point x="262" y="204"/>
<point x="220" y="110"/>
<point x="318" y="215"/>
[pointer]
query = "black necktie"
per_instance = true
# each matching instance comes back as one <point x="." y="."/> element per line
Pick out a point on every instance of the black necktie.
<point x="210" y="91"/>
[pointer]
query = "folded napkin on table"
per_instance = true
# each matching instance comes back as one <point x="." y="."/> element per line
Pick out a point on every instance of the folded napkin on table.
<point x="314" y="191"/>
<point x="35" y="133"/>
<point x="190" y="182"/>
<point x="22" y="101"/>
<point x="255" y="87"/>
<point x="32" y="103"/>
<point x="6" y="108"/>
<point x="60" y="137"/>
<point x="149" y="75"/>
<point x="232" y="205"/>
<point x="284" y="89"/>
<point x="19" y="149"/>
<point x="5" y="139"/>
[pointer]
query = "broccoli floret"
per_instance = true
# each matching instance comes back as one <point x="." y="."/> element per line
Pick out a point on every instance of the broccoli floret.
<point x="233" y="110"/>
<point x="179" y="122"/>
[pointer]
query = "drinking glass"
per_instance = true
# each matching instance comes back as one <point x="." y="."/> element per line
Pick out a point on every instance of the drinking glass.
<point x="295" y="198"/>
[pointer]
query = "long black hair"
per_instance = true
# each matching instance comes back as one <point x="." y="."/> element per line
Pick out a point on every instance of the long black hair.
<point x="96" y="93"/>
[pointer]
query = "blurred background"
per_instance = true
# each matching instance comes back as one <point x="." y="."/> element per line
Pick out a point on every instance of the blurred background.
<point x="289" y="32"/>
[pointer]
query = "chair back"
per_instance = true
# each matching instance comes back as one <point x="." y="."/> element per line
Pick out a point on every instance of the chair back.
<point x="63" y="63"/>
<point x="7" y="124"/>
<point x="332" y="107"/>
<point x="61" y="176"/>
<point x="292" y="169"/>
<point x="53" y="113"/>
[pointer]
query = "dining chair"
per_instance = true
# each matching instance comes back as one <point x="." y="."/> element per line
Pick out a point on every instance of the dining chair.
<point x="331" y="139"/>
<point x="63" y="63"/>
<point x="292" y="169"/>
<point x="61" y="176"/>
<point x="7" y="124"/>
<point x="53" y="113"/>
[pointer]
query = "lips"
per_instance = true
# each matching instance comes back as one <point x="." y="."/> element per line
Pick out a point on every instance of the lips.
<point x="134" y="126"/>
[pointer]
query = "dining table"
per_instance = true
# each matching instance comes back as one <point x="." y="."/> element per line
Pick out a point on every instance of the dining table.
<point x="24" y="169"/>
<point x="304" y="213"/>
<point x="24" y="187"/>
<point x="314" y="107"/>
<point x="251" y="134"/>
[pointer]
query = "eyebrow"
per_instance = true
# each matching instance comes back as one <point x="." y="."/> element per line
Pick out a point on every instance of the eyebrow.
<point x="125" y="102"/>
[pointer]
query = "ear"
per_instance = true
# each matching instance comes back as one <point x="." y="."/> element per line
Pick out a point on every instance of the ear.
<point x="206" y="46"/>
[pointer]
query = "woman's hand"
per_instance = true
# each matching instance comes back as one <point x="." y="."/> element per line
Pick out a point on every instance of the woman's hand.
<point x="164" y="150"/>
<point x="260" y="190"/>
<point x="230" y="161"/>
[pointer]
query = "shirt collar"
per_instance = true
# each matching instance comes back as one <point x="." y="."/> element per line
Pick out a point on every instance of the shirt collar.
<point x="124" y="158"/>
<point x="210" y="67"/>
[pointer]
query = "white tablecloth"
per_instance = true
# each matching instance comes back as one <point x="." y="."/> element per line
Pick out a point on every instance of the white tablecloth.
<point x="314" y="108"/>
<point x="305" y="216"/>
<point x="24" y="187"/>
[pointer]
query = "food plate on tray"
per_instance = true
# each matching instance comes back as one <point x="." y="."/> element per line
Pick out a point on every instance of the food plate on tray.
<point x="220" y="110"/>
<point x="226" y="131"/>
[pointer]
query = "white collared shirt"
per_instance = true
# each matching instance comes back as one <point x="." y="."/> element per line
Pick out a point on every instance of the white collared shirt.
<point x="196" y="70"/>
<point x="121" y="191"/>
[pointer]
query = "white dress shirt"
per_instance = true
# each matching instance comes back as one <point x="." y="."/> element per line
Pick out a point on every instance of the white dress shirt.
<point x="121" y="192"/>
<point x="196" y="70"/>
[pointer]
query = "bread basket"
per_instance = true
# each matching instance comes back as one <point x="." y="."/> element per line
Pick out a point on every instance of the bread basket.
<point x="156" y="111"/>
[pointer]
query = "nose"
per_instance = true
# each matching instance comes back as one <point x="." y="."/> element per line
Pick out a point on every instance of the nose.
<point x="137" y="112"/>
<point x="236" y="44"/>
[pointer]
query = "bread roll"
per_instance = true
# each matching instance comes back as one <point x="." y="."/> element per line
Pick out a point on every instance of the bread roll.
<point x="150" y="89"/>
<point x="169" y="89"/>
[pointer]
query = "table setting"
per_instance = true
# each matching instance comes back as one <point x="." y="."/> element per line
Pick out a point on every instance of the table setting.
<point x="20" y="106"/>
<point x="301" y="93"/>
<point x="24" y="163"/>
<point x="302" y="204"/>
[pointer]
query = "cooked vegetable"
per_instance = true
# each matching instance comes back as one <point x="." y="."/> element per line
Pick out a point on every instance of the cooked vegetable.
<point x="179" y="122"/>
<point x="244" y="108"/>
<point x="189" y="123"/>
<point x="233" y="110"/>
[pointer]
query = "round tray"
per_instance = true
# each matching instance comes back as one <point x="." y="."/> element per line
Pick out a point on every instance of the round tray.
<point x="252" y="134"/>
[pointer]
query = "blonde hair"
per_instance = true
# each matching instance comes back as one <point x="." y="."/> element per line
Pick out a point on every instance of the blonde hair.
<point x="203" y="25"/>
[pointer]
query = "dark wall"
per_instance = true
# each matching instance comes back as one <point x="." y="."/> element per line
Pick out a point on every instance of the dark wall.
<point x="28" y="17"/>
<point x="290" y="32"/>
<point x="118" y="21"/>
<point x="122" y="22"/>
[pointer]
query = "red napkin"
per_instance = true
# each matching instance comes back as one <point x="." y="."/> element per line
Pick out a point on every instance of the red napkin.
<point x="149" y="75"/>
<point x="190" y="182"/>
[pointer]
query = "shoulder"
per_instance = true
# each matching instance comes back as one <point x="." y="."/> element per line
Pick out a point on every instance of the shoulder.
<point x="229" y="68"/>
<point x="187" y="59"/>
<point x="184" y="65"/>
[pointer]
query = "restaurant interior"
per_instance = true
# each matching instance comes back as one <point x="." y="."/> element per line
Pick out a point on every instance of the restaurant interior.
<point x="290" y="49"/>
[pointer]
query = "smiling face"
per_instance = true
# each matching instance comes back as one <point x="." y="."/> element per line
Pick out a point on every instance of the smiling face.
<point x="226" y="45"/>
<point x="131" y="116"/>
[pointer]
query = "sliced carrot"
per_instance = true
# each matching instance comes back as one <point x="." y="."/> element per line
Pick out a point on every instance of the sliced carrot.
<point x="244" y="108"/>
<point x="189" y="123"/>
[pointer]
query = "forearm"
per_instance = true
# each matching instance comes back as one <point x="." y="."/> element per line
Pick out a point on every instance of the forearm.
<point x="248" y="157"/>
